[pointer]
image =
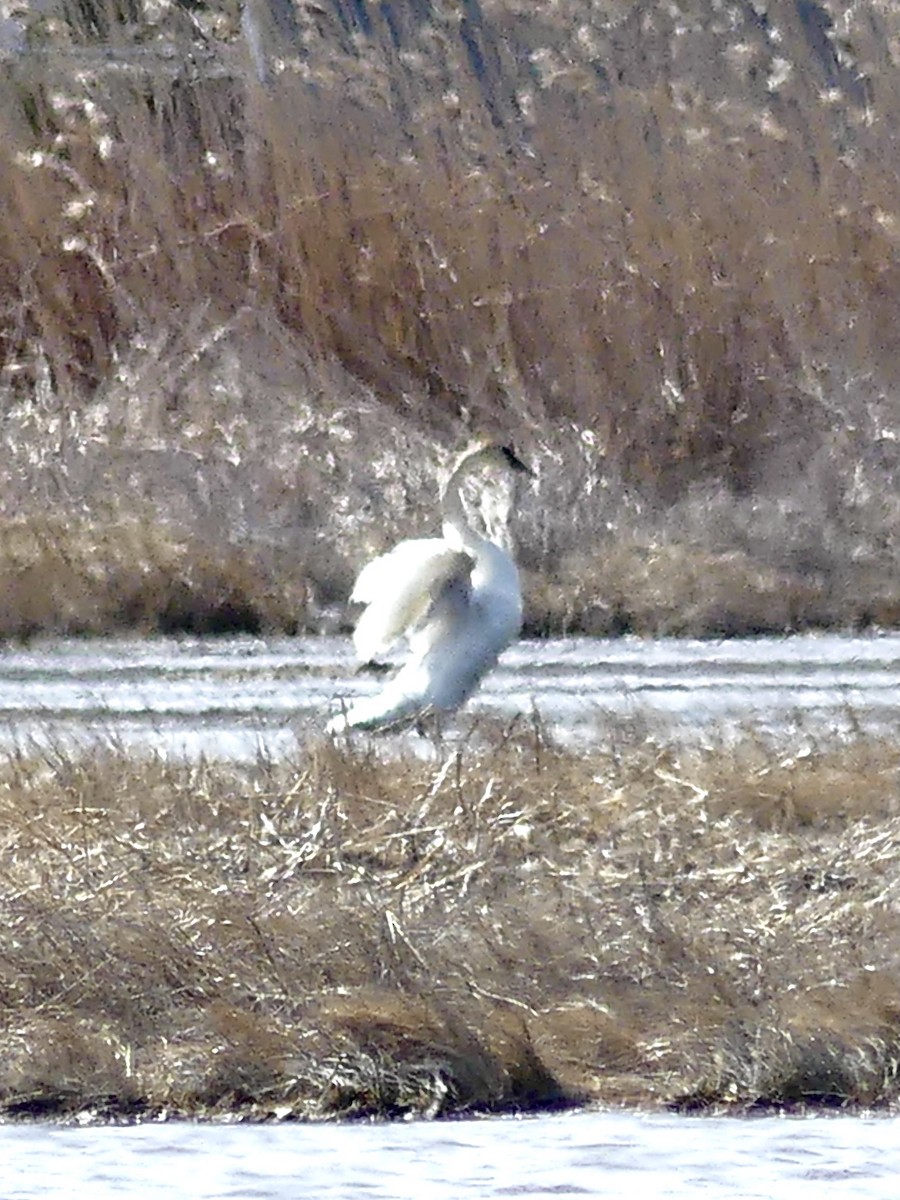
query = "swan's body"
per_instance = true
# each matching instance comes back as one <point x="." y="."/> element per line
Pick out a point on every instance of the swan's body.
<point x="455" y="599"/>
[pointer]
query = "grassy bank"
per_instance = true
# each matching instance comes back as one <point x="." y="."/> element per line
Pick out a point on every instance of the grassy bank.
<point x="506" y="927"/>
<point x="248" y="305"/>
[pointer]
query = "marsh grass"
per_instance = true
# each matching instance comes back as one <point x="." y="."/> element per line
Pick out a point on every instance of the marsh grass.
<point x="505" y="926"/>
<point x="70" y="576"/>
<point x="255" y="301"/>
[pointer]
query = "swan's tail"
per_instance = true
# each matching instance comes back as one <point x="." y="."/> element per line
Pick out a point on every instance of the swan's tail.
<point x="376" y="715"/>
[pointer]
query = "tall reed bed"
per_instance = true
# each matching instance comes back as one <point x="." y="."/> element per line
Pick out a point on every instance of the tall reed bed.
<point x="659" y="250"/>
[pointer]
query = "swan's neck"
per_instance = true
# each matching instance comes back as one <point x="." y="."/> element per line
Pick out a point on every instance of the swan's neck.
<point x="457" y="530"/>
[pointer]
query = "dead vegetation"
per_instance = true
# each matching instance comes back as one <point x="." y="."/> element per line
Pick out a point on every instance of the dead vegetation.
<point x="250" y="297"/>
<point x="71" y="576"/>
<point x="506" y="926"/>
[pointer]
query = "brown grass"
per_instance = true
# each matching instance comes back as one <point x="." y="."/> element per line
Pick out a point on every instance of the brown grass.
<point x="661" y="254"/>
<point x="508" y="926"/>
<point x="70" y="576"/>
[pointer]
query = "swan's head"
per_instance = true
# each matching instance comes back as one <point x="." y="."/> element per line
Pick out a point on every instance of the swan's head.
<point x="489" y="453"/>
<point x="491" y="468"/>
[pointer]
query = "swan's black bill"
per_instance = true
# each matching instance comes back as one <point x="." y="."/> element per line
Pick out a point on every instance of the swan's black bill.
<point x="514" y="461"/>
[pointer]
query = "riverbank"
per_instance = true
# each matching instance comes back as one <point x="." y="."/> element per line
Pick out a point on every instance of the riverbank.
<point x="63" y="577"/>
<point x="505" y="926"/>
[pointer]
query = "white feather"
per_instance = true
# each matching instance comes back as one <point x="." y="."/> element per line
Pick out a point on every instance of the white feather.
<point x="399" y="589"/>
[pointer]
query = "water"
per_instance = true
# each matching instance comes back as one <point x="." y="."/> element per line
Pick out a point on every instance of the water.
<point x="582" y="1154"/>
<point x="233" y="697"/>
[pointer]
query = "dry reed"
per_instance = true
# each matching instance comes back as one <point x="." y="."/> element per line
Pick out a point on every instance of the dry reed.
<point x="505" y="926"/>
<point x="249" y="303"/>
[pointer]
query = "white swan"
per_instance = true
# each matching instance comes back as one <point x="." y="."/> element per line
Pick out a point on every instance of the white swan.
<point x="456" y="600"/>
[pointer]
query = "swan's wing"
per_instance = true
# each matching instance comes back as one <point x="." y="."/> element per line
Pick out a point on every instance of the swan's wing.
<point x="401" y="588"/>
<point x="377" y="576"/>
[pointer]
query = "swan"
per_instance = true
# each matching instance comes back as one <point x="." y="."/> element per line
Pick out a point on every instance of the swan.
<point x="456" y="600"/>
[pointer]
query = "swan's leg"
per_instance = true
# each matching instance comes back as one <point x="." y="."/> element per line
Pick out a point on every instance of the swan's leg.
<point x="430" y="724"/>
<point x="373" y="667"/>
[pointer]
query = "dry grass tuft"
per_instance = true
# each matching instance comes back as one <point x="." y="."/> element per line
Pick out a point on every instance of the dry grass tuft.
<point x="507" y="926"/>
<point x="661" y="590"/>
